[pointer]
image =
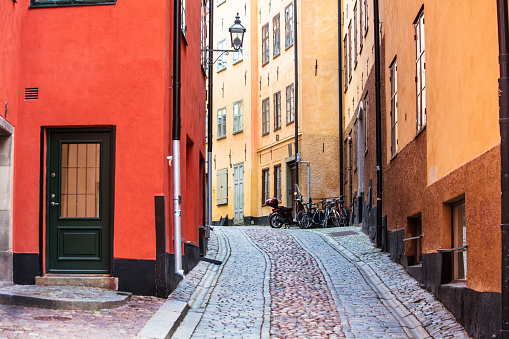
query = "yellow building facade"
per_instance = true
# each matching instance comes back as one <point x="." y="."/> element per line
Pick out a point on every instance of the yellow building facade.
<point x="265" y="79"/>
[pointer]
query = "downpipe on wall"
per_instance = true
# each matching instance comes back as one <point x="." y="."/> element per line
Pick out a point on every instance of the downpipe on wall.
<point x="177" y="198"/>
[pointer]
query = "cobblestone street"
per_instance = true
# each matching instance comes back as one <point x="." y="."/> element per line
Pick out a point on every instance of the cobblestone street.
<point x="272" y="283"/>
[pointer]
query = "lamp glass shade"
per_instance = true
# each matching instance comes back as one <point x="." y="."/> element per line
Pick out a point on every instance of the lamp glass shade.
<point x="237" y="34"/>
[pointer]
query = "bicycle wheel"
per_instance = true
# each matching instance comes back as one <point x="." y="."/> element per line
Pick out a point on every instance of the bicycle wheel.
<point x="325" y="219"/>
<point x="344" y="217"/>
<point x="303" y="219"/>
<point x="336" y="219"/>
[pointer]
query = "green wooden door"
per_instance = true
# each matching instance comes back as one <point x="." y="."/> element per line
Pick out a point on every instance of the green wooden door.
<point x="78" y="202"/>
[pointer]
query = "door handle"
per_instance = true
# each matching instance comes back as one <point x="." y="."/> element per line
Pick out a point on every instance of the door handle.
<point x="54" y="203"/>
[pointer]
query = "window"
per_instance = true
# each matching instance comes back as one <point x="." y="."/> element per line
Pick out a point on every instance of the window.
<point x="265" y="44"/>
<point x="361" y="22"/>
<point x="203" y="54"/>
<point x="289" y="26"/>
<point x="265" y="185"/>
<point x="276" y="39"/>
<point x="355" y="146"/>
<point x="345" y="65"/>
<point x="290" y="111"/>
<point x="277" y="183"/>
<point x="53" y="3"/>
<point x="366" y="123"/>
<point x="222" y="187"/>
<point x="350" y="51"/>
<point x="414" y="246"/>
<point x="238" y="116"/>
<point x="219" y="2"/>
<point x="277" y="110"/>
<point x="183" y="23"/>
<point x="238" y="56"/>
<point x="366" y="17"/>
<point x="394" y="107"/>
<point x="221" y="123"/>
<point x="265" y="116"/>
<point x="221" y="61"/>
<point x="355" y="35"/>
<point x="420" y="71"/>
<point x="459" y="239"/>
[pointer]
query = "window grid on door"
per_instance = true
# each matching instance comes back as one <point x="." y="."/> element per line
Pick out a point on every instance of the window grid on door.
<point x="80" y="180"/>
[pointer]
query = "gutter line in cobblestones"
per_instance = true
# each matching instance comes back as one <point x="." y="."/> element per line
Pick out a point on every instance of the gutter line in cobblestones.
<point x="408" y="321"/>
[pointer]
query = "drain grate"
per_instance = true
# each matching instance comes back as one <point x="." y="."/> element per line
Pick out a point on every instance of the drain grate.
<point x="288" y="319"/>
<point x="341" y="234"/>
<point x="51" y="318"/>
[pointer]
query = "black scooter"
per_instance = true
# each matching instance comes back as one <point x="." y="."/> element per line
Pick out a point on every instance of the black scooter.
<point x="282" y="215"/>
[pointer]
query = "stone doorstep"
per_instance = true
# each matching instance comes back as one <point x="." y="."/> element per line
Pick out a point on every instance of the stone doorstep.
<point x="109" y="283"/>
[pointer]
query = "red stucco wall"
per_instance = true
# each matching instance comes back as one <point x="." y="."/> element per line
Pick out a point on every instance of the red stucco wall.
<point x="106" y="65"/>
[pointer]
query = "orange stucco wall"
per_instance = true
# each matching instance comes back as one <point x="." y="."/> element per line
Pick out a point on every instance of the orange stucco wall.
<point x="108" y="66"/>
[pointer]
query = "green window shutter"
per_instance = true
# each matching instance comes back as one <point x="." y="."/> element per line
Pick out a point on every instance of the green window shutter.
<point x="225" y="185"/>
<point x="219" y="189"/>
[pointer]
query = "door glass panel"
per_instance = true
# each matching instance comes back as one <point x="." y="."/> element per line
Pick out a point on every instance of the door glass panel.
<point x="79" y="195"/>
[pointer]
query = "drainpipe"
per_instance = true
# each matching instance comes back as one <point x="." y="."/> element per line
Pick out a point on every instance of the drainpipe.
<point x="296" y="96"/>
<point x="503" y="97"/>
<point x="209" y="122"/>
<point x="349" y="169"/>
<point x="177" y="198"/>
<point x="378" y="128"/>
<point x="340" y="81"/>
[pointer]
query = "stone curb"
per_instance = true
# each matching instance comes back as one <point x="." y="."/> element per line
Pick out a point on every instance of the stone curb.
<point x="165" y="322"/>
<point x="115" y="300"/>
<point x="407" y="320"/>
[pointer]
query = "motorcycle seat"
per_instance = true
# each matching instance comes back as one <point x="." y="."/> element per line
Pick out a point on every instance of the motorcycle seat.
<point x="285" y="209"/>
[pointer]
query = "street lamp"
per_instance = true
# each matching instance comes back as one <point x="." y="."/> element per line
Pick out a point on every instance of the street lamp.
<point x="237" y="39"/>
<point x="237" y="33"/>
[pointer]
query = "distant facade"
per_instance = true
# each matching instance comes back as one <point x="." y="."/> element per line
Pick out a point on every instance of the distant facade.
<point x="87" y="94"/>
<point x="266" y="146"/>
<point x="441" y="146"/>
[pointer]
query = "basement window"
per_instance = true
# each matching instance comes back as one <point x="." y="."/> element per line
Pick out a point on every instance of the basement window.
<point x="55" y="3"/>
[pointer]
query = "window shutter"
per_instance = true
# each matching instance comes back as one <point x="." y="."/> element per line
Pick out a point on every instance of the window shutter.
<point x="219" y="188"/>
<point x="225" y="187"/>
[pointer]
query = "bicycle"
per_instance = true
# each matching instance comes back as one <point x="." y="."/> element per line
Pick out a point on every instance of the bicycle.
<point x="311" y="216"/>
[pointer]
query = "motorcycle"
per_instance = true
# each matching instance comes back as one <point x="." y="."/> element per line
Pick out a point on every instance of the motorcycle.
<point x="282" y="215"/>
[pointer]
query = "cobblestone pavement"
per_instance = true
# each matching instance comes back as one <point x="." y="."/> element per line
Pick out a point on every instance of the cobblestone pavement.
<point x="238" y="303"/>
<point x="433" y="316"/>
<point x="122" y="322"/>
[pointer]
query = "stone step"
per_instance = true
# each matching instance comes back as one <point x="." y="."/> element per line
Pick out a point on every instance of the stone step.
<point x="99" y="281"/>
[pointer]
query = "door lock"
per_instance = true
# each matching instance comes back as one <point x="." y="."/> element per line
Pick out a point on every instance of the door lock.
<point x="54" y="203"/>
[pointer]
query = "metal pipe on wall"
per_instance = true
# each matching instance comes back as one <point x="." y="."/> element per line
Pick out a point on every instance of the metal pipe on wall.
<point x="378" y="127"/>
<point x="209" y="122"/>
<point x="503" y="96"/>
<point x="340" y="81"/>
<point x="177" y="198"/>
<point x="296" y="90"/>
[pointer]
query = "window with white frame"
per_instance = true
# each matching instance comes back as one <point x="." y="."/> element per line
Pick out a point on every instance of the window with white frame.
<point x="221" y="61"/>
<point x="238" y="116"/>
<point x="350" y="51"/>
<point x="277" y="110"/>
<point x="238" y="56"/>
<point x="366" y="17"/>
<point x="290" y="107"/>
<point x="221" y="123"/>
<point x="265" y="185"/>
<point x="183" y="17"/>
<point x="289" y="26"/>
<point x="219" y="2"/>
<point x="277" y="183"/>
<point x="394" y="107"/>
<point x="355" y="35"/>
<point x="265" y="44"/>
<point x="361" y="25"/>
<point x="366" y="123"/>
<point x="276" y="38"/>
<point x="345" y="64"/>
<point x="420" y="69"/>
<point x="265" y="116"/>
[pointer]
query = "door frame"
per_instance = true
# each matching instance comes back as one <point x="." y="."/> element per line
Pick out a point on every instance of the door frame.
<point x="46" y="133"/>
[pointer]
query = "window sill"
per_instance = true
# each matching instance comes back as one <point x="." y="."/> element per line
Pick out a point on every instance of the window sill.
<point x="70" y="4"/>
<point x="263" y="135"/>
<point x="393" y="157"/>
<point x="222" y="204"/>
<point x="277" y="129"/>
<point x="286" y="48"/>
<point x="289" y="123"/>
<point x="238" y="132"/>
<point x="221" y="138"/>
<point x="238" y="61"/>
<point x="419" y="131"/>
<point x="275" y="56"/>
<point x="220" y="70"/>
